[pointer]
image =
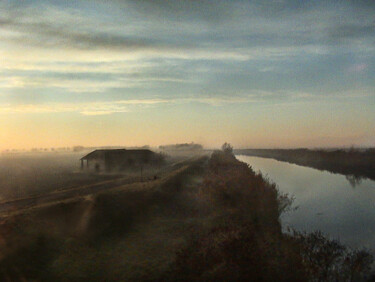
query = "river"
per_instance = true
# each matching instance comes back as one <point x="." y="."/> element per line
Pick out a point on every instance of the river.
<point x="340" y="208"/>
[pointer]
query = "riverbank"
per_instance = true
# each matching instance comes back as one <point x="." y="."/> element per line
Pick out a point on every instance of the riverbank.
<point x="212" y="218"/>
<point x="246" y="243"/>
<point x="325" y="201"/>
<point x="355" y="164"/>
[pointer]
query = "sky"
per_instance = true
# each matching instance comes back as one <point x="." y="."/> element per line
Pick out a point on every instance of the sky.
<point x="256" y="74"/>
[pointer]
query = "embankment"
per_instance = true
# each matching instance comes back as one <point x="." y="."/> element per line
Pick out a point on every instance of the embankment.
<point x="210" y="219"/>
<point x="360" y="164"/>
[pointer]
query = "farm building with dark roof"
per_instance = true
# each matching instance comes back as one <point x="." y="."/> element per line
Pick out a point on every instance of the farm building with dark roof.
<point x="119" y="159"/>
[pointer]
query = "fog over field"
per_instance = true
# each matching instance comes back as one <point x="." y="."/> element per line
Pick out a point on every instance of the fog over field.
<point x="186" y="140"/>
<point x="32" y="174"/>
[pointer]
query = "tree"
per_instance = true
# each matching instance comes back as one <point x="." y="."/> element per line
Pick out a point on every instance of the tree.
<point x="227" y="148"/>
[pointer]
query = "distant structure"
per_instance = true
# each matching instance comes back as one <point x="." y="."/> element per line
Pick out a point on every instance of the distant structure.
<point x="182" y="147"/>
<point x="119" y="159"/>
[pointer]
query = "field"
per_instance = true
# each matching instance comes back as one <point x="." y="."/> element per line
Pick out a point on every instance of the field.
<point x="33" y="174"/>
<point x="205" y="218"/>
<point x="25" y="175"/>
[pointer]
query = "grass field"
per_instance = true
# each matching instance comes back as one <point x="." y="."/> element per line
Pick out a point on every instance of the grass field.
<point x="25" y="175"/>
<point x="205" y="219"/>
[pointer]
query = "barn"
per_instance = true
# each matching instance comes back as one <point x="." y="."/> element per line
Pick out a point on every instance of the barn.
<point x="119" y="159"/>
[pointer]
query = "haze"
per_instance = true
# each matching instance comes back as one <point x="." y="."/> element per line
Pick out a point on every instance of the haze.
<point x="253" y="73"/>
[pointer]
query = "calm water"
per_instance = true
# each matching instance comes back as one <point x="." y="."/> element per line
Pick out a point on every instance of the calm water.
<point x="326" y="202"/>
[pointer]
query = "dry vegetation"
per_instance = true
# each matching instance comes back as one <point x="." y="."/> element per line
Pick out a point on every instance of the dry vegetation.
<point x="26" y="175"/>
<point x="207" y="219"/>
<point x="353" y="162"/>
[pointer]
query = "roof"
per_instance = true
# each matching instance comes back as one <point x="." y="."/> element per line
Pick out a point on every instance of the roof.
<point x="117" y="152"/>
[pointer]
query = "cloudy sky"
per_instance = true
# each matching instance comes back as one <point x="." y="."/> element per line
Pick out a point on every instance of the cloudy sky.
<point x="280" y="73"/>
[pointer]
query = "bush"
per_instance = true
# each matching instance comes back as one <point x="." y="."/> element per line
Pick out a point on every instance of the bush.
<point x="246" y="242"/>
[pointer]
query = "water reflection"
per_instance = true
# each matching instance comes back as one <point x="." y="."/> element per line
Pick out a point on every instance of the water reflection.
<point x="325" y="201"/>
<point x="354" y="180"/>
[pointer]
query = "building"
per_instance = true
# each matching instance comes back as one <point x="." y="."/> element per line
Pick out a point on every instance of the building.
<point x="119" y="159"/>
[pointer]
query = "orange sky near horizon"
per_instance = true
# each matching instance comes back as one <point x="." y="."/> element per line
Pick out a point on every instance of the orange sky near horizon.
<point x="134" y="73"/>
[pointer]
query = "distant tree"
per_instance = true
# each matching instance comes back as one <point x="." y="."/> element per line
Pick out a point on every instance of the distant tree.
<point x="78" y="148"/>
<point x="182" y="147"/>
<point x="227" y="148"/>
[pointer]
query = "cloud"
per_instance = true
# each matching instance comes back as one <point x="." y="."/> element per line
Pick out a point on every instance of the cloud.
<point x="359" y="33"/>
<point x="208" y="11"/>
<point x="119" y="106"/>
<point x="358" y="68"/>
<point x="83" y="77"/>
<point x="49" y="35"/>
<point x="217" y="100"/>
<point x="234" y="28"/>
<point x="91" y="108"/>
<point x="125" y="48"/>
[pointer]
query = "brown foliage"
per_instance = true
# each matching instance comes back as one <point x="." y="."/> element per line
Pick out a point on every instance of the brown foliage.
<point x="247" y="243"/>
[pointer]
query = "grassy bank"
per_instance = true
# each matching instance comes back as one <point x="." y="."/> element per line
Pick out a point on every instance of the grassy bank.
<point x="208" y="219"/>
<point x="355" y="163"/>
<point x="246" y="242"/>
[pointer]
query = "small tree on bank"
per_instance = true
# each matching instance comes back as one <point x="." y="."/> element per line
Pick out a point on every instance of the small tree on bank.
<point x="227" y="148"/>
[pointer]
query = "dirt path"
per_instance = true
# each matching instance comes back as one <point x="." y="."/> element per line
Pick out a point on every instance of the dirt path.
<point x="19" y="204"/>
<point x="7" y="207"/>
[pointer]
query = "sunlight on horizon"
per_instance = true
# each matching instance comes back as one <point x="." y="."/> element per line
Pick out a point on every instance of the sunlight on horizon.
<point x="130" y="73"/>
